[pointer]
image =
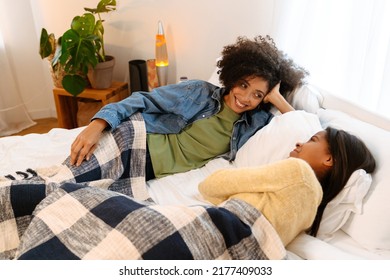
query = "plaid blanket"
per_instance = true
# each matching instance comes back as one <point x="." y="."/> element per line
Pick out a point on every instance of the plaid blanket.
<point x="117" y="164"/>
<point x="79" y="222"/>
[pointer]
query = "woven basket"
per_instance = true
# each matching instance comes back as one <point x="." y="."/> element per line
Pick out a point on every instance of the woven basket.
<point x="57" y="75"/>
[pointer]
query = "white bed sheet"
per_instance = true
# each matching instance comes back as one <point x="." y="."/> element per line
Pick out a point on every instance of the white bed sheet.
<point x="17" y="153"/>
<point x="341" y="247"/>
<point x="344" y="242"/>
<point x="182" y="188"/>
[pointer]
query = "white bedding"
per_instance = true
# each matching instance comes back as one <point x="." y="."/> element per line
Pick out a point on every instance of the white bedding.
<point x="182" y="188"/>
<point x="35" y="150"/>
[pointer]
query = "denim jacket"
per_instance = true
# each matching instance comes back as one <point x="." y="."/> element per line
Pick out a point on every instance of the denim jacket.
<point x="171" y="108"/>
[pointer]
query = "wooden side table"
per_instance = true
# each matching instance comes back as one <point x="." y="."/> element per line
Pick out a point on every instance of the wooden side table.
<point x="66" y="104"/>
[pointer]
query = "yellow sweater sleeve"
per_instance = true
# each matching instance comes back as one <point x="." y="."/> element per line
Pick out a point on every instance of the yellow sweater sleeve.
<point x="286" y="192"/>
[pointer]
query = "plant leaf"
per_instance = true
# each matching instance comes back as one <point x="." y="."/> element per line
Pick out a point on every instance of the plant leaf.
<point x="78" y="52"/>
<point x="56" y="56"/>
<point x="74" y="84"/>
<point x="46" y="44"/>
<point x="104" y="6"/>
<point x="84" y="25"/>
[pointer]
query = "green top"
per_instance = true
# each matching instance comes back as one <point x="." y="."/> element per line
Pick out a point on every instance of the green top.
<point x="194" y="146"/>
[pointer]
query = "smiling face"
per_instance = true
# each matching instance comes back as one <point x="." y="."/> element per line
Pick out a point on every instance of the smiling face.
<point x="315" y="152"/>
<point x="247" y="94"/>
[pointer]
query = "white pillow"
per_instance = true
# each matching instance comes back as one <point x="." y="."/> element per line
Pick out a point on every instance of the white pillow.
<point x="349" y="200"/>
<point x="276" y="140"/>
<point x="307" y="98"/>
<point x="371" y="228"/>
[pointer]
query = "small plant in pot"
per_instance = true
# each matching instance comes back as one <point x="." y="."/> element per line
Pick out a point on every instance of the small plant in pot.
<point x="79" y="52"/>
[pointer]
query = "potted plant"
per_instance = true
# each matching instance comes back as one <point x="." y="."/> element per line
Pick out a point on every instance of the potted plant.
<point x="79" y="50"/>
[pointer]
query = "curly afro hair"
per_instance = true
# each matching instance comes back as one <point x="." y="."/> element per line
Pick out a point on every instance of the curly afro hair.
<point x="259" y="58"/>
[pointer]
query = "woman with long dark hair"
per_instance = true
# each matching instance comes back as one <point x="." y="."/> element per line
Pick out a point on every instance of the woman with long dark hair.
<point x="349" y="154"/>
<point x="293" y="193"/>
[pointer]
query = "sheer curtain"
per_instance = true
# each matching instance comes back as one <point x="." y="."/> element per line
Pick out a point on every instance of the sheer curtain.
<point x="13" y="115"/>
<point x="345" y="45"/>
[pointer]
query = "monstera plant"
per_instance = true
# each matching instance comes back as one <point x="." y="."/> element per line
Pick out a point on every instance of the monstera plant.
<point x="79" y="49"/>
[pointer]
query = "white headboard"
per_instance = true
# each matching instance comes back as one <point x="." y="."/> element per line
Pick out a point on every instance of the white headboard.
<point x="336" y="103"/>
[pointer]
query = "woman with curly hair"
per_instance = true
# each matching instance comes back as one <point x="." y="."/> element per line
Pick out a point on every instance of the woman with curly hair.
<point x="190" y="123"/>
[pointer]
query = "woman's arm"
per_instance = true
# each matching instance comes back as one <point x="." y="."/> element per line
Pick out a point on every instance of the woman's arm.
<point x="269" y="178"/>
<point x="85" y="143"/>
<point x="111" y="115"/>
<point x="286" y="192"/>
<point x="275" y="97"/>
<point x="179" y="99"/>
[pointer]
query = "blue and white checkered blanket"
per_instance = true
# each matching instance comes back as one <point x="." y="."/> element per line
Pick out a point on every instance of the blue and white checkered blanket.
<point x="117" y="164"/>
<point x="78" y="222"/>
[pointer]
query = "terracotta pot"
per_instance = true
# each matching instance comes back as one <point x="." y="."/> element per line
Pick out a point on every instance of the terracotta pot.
<point x="101" y="76"/>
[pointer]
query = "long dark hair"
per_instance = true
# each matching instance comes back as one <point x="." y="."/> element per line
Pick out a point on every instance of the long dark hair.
<point x="349" y="154"/>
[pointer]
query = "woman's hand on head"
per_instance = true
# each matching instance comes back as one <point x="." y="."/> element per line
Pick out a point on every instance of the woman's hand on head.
<point x="276" y="98"/>
<point x="85" y="143"/>
<point x="273" y="96"/>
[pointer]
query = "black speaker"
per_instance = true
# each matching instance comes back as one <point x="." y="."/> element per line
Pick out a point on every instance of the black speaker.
<point x="138" y="75"/>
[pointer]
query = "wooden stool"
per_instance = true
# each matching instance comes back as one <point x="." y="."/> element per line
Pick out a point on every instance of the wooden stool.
<point x="66" y="104"/>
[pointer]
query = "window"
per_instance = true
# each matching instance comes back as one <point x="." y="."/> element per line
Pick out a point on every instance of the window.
<point x="345" y="45"/>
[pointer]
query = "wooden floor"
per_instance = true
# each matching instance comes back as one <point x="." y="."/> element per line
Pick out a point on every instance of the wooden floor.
<point x="42" y="126"/>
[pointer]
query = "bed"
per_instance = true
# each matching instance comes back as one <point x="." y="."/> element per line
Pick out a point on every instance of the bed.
<point x="355" y="226"/>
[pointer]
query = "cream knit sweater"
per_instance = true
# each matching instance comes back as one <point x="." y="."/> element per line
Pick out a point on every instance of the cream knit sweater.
<point x="286" y="192"/>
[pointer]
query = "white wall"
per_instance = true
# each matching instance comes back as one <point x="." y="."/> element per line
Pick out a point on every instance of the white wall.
<point x="196" y="30"/>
